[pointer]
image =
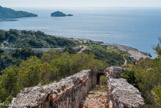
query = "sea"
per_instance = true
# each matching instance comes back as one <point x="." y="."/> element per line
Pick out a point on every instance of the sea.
<point x="139" y="28"/>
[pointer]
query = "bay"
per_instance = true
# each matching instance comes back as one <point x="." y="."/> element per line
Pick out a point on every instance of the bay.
<point x="136" y="27"/>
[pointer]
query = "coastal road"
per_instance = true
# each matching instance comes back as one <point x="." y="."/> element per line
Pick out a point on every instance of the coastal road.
<point x="83" y="48"/>
<point x="34" y="49"/>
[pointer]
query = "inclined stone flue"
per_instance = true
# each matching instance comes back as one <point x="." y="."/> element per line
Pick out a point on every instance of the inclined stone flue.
<point x="67" y="93"/>
<point x="121" y="94"/>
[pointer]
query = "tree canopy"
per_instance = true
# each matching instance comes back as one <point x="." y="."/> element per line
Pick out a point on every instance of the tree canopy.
<point x="52" y="66"/>
<point x="146" y="76"/>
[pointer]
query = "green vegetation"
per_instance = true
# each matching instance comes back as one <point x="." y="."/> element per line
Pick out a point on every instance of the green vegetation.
<point x="30" y="39"/>
<point x="103" y="80"/>
<point x="9" y="58"/>
<point x="24" y="67"/>
<point x="6" y="13"/>
<point x="157" y="94"/>
<point x="52" y="66"/>
<point x="146" y="76"/>
<point x="27" y="40"/>
<point x="110" y="56"/>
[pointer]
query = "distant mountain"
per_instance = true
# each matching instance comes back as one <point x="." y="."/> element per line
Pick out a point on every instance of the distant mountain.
<point x="6" y="13"/>
<point x="59" y="14"/>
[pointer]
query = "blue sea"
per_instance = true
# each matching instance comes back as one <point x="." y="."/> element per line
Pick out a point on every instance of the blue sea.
<point x="136" y="27"/>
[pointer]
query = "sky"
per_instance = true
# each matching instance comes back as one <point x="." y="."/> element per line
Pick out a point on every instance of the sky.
<point x="80" y="3"/>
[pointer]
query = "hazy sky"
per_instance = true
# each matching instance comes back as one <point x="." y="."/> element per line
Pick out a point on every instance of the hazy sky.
<point x="80" y="3"/>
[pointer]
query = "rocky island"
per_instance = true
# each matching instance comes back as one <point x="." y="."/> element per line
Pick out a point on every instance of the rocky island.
<point x="7" y="13"/>
<point x="59" y="14"/>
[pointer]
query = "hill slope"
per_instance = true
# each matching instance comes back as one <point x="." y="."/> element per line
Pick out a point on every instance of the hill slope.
<point x="10" y="13"/>
<point x="31" y="39"/>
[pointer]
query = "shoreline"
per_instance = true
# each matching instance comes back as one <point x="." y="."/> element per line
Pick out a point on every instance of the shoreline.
<point x="135" y="53"/>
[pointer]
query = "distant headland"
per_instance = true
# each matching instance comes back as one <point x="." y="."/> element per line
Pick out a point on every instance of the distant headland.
<point x="59" y="14"/>
<point x="8" y="13"/>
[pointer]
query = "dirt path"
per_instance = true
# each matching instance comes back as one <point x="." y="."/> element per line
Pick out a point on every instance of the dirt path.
<point x="83" y="49"/>
<point x="96" y="98"/>
<point x="125" y="63"/>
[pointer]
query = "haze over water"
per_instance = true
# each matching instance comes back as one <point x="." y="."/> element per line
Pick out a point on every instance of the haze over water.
<point x="135" y="27"/>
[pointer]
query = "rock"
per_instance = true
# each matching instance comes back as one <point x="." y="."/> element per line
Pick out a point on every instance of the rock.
<point x="59" y="14"/>
<point x="70" y="91"/>
<point x="69" y="15"/>
<point x="114" y="71"/>
<point x="124" y="93"/>
<point x="135" y="54"/>
<point x="65" y="93"/>
<point x="121" y="94"/>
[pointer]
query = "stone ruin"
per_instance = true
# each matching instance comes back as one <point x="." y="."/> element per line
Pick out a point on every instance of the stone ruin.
<point x="67" y="93"/>
<point x="70" y="91"/>
<point x="121" y="94"/>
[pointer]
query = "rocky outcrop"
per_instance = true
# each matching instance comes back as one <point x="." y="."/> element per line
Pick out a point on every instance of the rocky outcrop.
<point x="67" y="93"/>
<point x="124" y="95"/>
<point x="121" y="94"/>
<point x="60" y="14"/>
<point x="135" y="54"/>
<point x="114" y="71"/>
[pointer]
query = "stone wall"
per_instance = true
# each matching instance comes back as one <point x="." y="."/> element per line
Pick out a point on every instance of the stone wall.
<point x="67" y="93"/>
<point x="121" y="94"/>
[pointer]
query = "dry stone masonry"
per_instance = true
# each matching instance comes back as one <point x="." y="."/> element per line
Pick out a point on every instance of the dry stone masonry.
<point x="121" y="94"/>
<point x="68" y="93"/>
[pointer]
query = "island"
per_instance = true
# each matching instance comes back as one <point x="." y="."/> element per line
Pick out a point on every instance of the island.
<point x="8" y="13"/>
<point x="69" y="15"/>
<point x="59" y="14"/>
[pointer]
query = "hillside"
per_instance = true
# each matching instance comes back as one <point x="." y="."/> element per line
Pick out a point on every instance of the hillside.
<point x="6" y="13"/>
<point x="18" y="45"/>
<point x="31" y="39"/>
<point x="25" y="66"/>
